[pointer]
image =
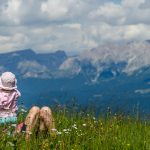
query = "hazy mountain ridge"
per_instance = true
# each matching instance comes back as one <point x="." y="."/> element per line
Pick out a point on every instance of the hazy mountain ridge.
<point x="101" y="63"/>
<point x="27" y="63"/>
<point x="109" y="61"/>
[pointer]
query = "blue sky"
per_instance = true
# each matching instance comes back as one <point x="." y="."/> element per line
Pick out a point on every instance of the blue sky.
<point x="72" y="25"/>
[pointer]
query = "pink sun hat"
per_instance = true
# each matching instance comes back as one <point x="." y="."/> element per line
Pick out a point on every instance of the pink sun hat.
<point x="8" y="81"/>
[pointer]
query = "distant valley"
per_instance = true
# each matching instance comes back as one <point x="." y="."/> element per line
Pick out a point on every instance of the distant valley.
<point x="115" y="76"/>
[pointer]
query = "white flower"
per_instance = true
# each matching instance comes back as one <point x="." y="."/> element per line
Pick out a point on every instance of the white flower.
<point x="84" y="125"/>
<point x="23" y="110"/>
<point x="54" y="129"/>
<point x="8" y="133"/>
<point x="59" y="133"/>
<point x="28" y="132"/>
<point x="10" y="143"/>
<point x="13" y="125"/>
<point x="66" y="130"/>
<point x="74" y="126"/>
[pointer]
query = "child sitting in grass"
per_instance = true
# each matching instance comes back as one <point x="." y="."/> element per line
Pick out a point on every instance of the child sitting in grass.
<point x="8" y="98"/>
<point x="39" y="120"/>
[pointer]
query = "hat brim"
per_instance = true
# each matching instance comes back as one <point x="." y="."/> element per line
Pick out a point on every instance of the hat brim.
<point x="8" y="88"/>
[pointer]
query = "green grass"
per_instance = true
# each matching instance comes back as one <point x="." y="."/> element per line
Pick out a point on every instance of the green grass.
<point x="81" y="131"/>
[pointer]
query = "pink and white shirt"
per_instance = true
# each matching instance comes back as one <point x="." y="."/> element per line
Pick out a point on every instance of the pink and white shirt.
<point x="8" y="102"/>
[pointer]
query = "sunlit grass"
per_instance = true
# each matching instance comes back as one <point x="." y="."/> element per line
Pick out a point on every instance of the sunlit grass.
<point x="82" y="131"/>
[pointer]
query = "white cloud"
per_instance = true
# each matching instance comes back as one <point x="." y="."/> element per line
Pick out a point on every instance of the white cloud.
<point x="73" y="25"/>
<point x="109" y="12"/>
<point x="132" y="4"/>
<point x="126" y="12"/>
<point x="12" y="8"/>
<point x="142" y="91"/>
<point x="13" y="42"/>
<point x="55" y="8"/>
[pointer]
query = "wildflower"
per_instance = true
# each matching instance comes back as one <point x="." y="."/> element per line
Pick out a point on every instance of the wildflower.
<point x="54" y="129"/>
<point x="74" y="126"/>
<point x="58" y="133"/>
<point x="10" y="143"/>
<point x="28" y="132"/>
<point x="23" y="110"/>
<point x="94" y="118"/>
<point x="64" y="130"/>
<point x="84" y="125"/>
<point x="8" y="133"/>
<point x="13" y="125"/>
<point x="45" y="144"/>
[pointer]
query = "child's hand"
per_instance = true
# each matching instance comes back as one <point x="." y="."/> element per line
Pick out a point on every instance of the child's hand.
<point x="6" y="108"/>
<point x="18" y="94"/>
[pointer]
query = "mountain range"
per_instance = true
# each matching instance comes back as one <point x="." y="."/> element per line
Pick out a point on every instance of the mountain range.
<point x="112" y="75"/>
<point x="27" y="63"/>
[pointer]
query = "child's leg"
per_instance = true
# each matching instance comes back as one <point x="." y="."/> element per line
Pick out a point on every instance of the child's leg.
<point x="42" y="125"/>
<point x="31" y="120"/>
<point x="46" y="119"/>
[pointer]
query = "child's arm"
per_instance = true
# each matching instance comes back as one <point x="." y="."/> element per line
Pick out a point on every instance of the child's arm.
<point x="18" y="94"/>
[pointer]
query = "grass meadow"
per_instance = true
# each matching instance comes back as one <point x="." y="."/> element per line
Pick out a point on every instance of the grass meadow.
<point x="82" y="131"/>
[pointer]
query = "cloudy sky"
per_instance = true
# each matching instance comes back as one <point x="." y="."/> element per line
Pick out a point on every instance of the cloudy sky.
<point x="72" y="25"/>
